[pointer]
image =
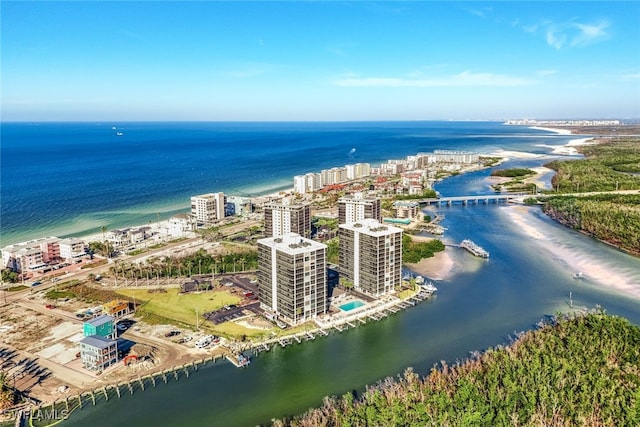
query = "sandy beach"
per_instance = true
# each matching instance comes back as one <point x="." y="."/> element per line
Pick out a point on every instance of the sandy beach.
<point x="554" y="130"/>
<point x="439" y="267"/>
<point x="592" y="267"/>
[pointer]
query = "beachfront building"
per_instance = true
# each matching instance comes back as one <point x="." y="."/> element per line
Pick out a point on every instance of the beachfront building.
<point x="208" y="208"/>
<point x="453" y="156"/>
<point x="98" y="353"/>
<point x="333" y="176"/>
<point x="356" y="207"/>
<point x="307" y="183"/>
<point x="371" y="256"/>
<point x="282" y="217"/>
<point x="71" y="249"/>
<point x="31" y="255"/>
<point x="101" y="326"/>
<point x="22" y="258"/>
<point x="238" y="206"/>
<point x="50" y="248"/>
<point x="179" y="224"/>
<point x="292" y="277"/>
<point x="357" y="171"/>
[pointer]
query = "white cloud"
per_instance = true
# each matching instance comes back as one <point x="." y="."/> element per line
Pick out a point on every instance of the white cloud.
<point x="575" y="34"/>
<point x="555" y="38"/>
<point x="588" y="34"/>
<point x="465" y="78"/>
<point x="546" y="72"/>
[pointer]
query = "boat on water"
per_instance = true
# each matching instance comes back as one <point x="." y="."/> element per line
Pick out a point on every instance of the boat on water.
<point x="578" y="275"/>
<point x="474" y="248"/>
<point x="429" y="287"/>
<point x="119" y="133"/>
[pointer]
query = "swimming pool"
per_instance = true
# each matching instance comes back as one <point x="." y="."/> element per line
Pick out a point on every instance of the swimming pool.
<point x="351" y="305"/>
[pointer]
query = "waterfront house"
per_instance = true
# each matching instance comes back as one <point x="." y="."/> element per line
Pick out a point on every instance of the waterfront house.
<point x="71" y="249"/>
<point x="98" y="353"/>
<point x="101" y="326"/>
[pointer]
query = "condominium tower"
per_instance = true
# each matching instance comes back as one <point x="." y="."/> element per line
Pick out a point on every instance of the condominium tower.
<point x="206" y="209"/>
<point x="356" y="207"/>
<point x="371" y="256"/>
<point x="282" y="217"/>
<point x="292" y="277"/>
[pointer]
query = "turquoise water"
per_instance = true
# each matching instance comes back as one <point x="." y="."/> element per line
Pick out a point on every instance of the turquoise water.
<point x="73" y="178"/>
<point x="351" y="305"/>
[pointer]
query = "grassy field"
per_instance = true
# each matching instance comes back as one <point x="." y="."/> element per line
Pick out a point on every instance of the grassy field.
<point x="179" y="307"/>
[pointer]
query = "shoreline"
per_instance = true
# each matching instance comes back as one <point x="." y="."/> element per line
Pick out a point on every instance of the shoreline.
<point x="438" y="267"/>
<point x="554" y="130"/>
<point x="593" y="270"/>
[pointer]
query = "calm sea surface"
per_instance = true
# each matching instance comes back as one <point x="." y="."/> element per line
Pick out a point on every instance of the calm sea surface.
<point x="73" y="178"/>
<point x="481" y="305"/>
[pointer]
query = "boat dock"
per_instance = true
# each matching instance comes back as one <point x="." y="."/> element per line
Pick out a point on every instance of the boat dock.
<point x="474" y="249"/>
<point x="238" y="360"/>
<point x="342" y="322"/>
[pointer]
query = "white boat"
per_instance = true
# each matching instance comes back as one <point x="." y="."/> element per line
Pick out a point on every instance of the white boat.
<point x="578" y="275"/>
<point x="119" y="133"/>
<point x="474" y="248"/>
<point x="430" y="287"/>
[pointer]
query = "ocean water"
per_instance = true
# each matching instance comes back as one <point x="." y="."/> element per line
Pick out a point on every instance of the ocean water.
<point x="70" y="179"/>
<point x="80" y="176"/>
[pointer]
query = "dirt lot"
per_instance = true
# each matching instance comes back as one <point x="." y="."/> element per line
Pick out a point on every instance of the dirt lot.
<point x="39" y="349"/>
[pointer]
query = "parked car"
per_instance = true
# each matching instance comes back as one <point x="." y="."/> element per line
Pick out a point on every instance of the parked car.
<point x="172" y="334"/>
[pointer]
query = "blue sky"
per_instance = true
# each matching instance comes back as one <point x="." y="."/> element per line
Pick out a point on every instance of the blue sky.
<point x="305" y="60"/>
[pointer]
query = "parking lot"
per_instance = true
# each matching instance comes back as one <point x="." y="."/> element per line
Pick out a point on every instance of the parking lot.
<point x="244" y="287"/>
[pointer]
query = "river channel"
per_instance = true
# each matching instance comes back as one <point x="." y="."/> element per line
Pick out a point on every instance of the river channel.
<point x="482" y="304"/>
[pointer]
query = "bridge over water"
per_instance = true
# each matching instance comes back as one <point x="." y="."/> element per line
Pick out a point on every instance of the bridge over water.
<point x="474" y="199"/>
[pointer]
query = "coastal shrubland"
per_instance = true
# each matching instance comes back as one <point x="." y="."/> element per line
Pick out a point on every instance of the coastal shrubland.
<point x="607" y="166"/>
<point x="516" y="183"/>
<point x="613" y="218"/>
<point x="580" y="370"/>
<point x="513" y="172"/>
<point x="413" y="252"/>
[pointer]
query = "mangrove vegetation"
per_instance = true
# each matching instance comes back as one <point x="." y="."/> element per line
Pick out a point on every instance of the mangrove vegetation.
<point x="583" y="370"/>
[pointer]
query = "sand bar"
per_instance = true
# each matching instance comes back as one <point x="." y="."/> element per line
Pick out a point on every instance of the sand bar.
<point x="438" y="267"/>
